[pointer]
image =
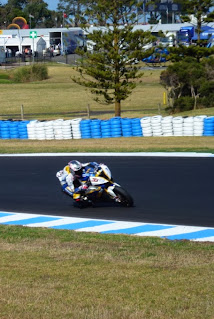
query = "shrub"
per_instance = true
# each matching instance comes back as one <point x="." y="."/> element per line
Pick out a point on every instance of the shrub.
<point x="5" y="78"/>
<point x="207" y="101"/>
<point x="35" y="72"/>
<point x="185" y="103"/>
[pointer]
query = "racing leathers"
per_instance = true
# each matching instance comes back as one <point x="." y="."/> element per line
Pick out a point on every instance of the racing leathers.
<point x="74" y="185"/>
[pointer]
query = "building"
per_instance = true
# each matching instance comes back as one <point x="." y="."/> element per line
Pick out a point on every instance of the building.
<point x="19" y="40"/>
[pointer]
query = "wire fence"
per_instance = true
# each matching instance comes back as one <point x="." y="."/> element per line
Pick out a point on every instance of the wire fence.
<point x="23" y="59"/>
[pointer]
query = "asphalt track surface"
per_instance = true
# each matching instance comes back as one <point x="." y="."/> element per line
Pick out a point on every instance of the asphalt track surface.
<point x="175" y="191"/>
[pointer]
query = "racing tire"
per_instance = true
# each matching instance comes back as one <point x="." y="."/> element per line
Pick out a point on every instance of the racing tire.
<point x="124" y="198"/>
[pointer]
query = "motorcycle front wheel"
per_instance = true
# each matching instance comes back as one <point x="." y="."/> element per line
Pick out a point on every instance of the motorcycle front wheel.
<point x="123" y="198"/>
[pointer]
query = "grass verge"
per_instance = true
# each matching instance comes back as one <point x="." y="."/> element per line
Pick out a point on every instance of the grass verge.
<point x="59" y="97"/>
<point x="64" y="274"/>
<point x="124" y="144"/>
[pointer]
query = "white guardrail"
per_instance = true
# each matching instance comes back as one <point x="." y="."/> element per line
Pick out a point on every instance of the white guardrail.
<point x="115" y="127"/>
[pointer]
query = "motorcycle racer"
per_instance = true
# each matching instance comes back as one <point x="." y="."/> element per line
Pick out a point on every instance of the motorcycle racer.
<point x="74" y="176"/>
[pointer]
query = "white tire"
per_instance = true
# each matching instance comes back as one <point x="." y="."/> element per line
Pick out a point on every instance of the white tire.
<point x="177" y="120"/>
<point x="76" y="136"/>
<point x="180" y="132"/>
<point x="167" y="119"/>
<point x="166" y="126"/>
<point x="76" y="131"/>
<point x="146" y="125"/>
<point x="157" y="130"/>
<point x="147" y="134"/>
<point x="66" y="122"/>
<point x="67" y="134"/>
<point x="157" y="134"/>
<point x="189" y="119"/>
<point x="49" y="135"/>
<point x="48" y="124"/>
<point x="149" y="131"/>
<point x="50" y="138"/>
<point x="66" y="130"/>
<point x="145" y="120"/>
<point x="167" y="131"/>
<point x="41" y="138"/>
<point x="168" y="134"/>
<point x="199" y="118"/>
<point x="156" y="119"/>
<point x="198" y="126"/>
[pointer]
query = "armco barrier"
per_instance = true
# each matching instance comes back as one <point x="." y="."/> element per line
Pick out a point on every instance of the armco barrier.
<point x="79" y="128"/>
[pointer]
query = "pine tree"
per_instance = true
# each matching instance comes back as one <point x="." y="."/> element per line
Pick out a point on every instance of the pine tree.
<point x="110" y="70"/>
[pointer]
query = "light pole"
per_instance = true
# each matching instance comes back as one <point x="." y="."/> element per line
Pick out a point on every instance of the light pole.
<point x="30" y="16"/>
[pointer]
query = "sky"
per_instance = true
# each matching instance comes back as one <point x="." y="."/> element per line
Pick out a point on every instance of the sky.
<point x="52" y="4"/>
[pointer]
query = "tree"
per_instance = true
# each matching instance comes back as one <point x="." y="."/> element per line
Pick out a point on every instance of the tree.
<point x="195" y="52"/>
<point x="41" y="13"/>
<point x="189" y="83"/>
<point x="74" y="8"/>
<point x="200" y="9"/>
<point x="12" y="9"/>
<point x="109" y="71"/>
<point x="37" y="8"/>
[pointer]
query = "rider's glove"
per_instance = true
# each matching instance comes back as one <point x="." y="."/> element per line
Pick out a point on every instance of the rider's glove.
<point x="59" y="174"/>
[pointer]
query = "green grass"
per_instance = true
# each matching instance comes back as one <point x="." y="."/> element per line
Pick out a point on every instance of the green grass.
<point x="5" y="78"/>
<point x="123" y="144"/>
<point x="60" y="97"/>
<point x="46" y="274"/>
<point x="65" y="274"/>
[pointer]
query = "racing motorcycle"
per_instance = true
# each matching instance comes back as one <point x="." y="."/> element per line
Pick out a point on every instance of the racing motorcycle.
<point x="100" y="183"/>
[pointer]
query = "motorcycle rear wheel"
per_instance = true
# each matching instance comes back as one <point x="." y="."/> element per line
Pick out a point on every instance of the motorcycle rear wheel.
<point x="124" y="198"/>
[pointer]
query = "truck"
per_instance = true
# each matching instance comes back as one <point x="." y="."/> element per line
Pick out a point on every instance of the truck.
<point x="185" y="35"/>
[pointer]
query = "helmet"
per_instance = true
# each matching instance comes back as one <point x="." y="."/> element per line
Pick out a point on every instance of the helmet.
<point x="75" y="167"/>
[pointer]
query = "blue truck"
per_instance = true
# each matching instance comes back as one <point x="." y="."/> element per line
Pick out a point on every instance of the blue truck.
<point x="185" y="35"/>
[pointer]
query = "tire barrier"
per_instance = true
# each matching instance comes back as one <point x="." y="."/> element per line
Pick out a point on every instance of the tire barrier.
<point x="136" y="127"/>
<point x="156" y="123"/>
<point x="85" y="128"/>
<point x="116" y="127"/>
<point x="167" y="128"/>
<point x="75" y="126"/>
<point x="198" y="125"/>
<point x="13" y="129"/>
<point x="177" y="126"/>
<point x="79" y="128"/>
<point x="96" y="128"/>
<point x="126" y="127"/>
<point x="209" y="126"/>
<point x="188" y="126"/>
<point x="105" y="126"/>
<point x="146" y="126"/>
